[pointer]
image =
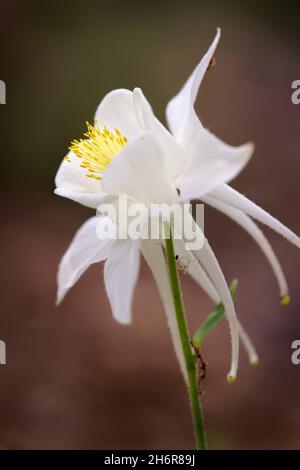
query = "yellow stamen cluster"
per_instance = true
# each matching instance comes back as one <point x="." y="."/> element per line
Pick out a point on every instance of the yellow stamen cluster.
<point x="97" y="149"/>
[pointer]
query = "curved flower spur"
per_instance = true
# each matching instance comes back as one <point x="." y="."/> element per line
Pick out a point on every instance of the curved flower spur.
<point x="128" y="153"/>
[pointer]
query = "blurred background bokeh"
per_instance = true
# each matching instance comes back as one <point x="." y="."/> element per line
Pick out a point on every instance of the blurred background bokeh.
<point x="75" y="378"/>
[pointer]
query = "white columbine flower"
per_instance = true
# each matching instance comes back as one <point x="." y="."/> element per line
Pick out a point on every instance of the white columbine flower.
<point x="129" y="153"/>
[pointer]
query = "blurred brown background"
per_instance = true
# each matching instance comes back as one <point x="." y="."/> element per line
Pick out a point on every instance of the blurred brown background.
<point x="75" y="378"/>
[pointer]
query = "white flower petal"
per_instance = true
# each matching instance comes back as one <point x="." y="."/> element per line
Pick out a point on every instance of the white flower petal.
<point x="116" y="110"/>
<point x="200" y="276"/>
<point x="250" y="350"/>
<point x="209" y="262"/>
<point x="155" y="258"/>
<point x="175" y="157"/>
<point x="120" y="276"/>
<point x="234" y="198"/>
<point x="71" y="182"/>
<point x="212" y="163"/>
<point x="87" y="199"/>
<point x="143" y="110"/>
<point x="196" y="271"/>
<point x="180" y="113"/>
<point x="84" y="250"/>
<point x="138" y="171"/>
<point x="247" y="223"/>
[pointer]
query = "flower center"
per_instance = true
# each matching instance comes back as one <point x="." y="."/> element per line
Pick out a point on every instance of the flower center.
<point x="98" y="149"/>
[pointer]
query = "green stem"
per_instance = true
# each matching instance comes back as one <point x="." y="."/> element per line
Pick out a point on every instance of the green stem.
<point x="189" y="357"/>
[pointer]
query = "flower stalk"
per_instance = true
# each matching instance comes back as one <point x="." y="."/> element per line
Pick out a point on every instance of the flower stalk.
<point x="190" y="359"/>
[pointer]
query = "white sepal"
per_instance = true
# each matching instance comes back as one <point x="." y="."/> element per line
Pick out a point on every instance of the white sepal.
<point x="250" y="226"/>
<point x="120" y="276"/>
<point x="84" y="250"/>
<point x="232" y="197"/>
<point x="180" y="112"/>
<point x="155" y="258"/>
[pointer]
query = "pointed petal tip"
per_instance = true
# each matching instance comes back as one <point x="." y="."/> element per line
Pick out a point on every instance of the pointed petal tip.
<point x="285" y="300"/>
<point x="60" y="192"/>
<point x="59" y="298"/>
<point x="216" y="38"/>
<point x="123" y="321"/>
<point x="248" y="148"/>
<point x="137" y="90"/>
